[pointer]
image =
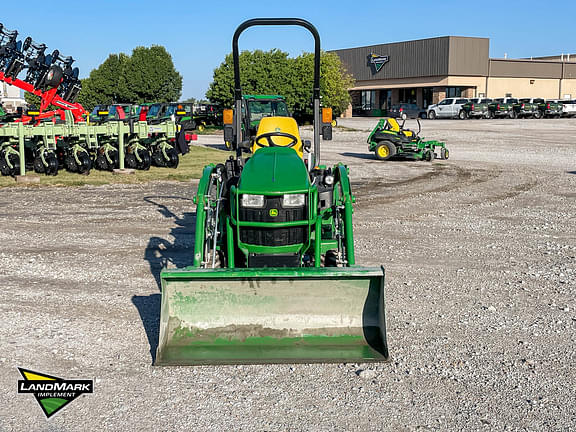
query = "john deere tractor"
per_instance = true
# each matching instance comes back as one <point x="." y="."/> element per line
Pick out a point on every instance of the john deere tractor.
<point x="390" y="139"/>
<point x="274" y="275"/>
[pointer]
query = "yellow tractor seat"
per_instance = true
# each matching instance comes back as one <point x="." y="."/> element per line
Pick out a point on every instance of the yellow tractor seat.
<point x="392" y="124"/>
<point x="270" y="125"/>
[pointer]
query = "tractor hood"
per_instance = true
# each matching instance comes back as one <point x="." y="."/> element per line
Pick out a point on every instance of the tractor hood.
<point x="274" y="170"/>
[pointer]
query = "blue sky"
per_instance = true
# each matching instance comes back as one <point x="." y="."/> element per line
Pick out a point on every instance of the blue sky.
<point x="198" y="34"/>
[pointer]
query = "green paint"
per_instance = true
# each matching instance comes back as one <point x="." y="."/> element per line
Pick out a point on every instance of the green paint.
<point x="53" y="404"/>
<point x="218" y="296"/>
<point x="293" y="353"/>
<point x="274" y="169"/>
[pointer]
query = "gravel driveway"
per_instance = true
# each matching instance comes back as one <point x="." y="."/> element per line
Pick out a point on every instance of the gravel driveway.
<point x="480" y="254"/>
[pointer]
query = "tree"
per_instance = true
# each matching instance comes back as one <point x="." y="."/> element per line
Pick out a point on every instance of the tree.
<point x="149" y="76"/>
<point x="103" y="85"/>
<point x="261" y="72"/>
<point x="334" y="82"/>
<point x="273" y="72"/>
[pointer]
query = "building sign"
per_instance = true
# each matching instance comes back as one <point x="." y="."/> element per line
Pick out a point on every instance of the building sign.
<point x="377" y="61"/>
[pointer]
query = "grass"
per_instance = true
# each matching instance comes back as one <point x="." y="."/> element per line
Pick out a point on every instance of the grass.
<point x="190" y="166"/>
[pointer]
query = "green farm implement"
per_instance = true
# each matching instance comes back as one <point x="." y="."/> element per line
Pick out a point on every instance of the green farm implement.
<point x="390" y="140"/>
<point x="78" y="147"/>
<point x="274" y="276"/>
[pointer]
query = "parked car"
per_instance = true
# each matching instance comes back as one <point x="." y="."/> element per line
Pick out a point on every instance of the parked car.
<point x="447" y="108"/>
<point x="475" y="108"/>
<point x="551" y="108"/>
<point x="568" y="108"/>
<point x="502" y="107"/>
<point x="528" y="107"/>
<point x="406" y="110"/>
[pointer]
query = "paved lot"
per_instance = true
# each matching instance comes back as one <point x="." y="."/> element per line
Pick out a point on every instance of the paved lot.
<point x="480" y="253"/>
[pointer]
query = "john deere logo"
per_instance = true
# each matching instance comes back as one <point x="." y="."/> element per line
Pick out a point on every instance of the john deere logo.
<point x="52" y="393"/>
<point x="377" y="61"/>
<point x="273" y="212"/>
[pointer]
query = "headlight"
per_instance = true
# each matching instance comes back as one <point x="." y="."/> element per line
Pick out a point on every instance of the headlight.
<point x="293" y="200"/>
<point x="329" y="180"/>
<point x="254" y="201"/>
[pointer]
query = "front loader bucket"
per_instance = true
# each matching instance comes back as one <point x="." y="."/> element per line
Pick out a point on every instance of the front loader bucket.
<point x="272" y="315"/>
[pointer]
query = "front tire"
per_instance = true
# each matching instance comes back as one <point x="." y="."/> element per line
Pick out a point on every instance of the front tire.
<point x="432" y="115"/>
<point x="444" y="153"/>
<point x="385" y="150"/>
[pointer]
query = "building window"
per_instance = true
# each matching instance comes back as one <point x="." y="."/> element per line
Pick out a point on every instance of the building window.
<point x="368" y="99"/>
<point x="452" y="92"/>
<point x="385" y="99"/>
<point x="407" y="95"/>
<point x="426" y="97"/>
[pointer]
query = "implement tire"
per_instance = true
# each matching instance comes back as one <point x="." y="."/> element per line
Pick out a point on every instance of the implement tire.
<point x="444" y="153"/>
<point x="385" y="150"/>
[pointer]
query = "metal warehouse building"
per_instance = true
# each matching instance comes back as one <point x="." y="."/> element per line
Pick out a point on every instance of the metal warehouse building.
<point x="426" y="71"/>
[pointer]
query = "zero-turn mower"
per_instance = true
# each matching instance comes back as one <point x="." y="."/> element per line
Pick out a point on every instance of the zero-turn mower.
<point x="390" y="139"/>
<point x="274" y="276"/>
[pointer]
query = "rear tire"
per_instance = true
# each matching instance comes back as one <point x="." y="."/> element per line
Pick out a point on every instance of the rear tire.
<point x="146" y="160"/>
<point x="462" y="115"/>
<point x="429" y="156"/>
<point x="513" y="114"/>
<point x="538" y="114"/>
<point x="385" y="150"/>
<point x="53" y="77"/>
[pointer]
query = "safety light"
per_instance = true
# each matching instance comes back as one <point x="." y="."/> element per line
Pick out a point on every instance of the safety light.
<point x="329" y="180"/>
<point x="326" y="115"/>
<point x="228" y="116"/>
<point x="293" y="200"/>
<point x="253" y="201"/>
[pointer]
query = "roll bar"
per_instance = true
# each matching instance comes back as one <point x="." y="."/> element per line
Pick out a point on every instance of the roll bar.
<point x="316" y="90"/>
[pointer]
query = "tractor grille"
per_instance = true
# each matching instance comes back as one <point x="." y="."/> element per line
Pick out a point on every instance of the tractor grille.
<point x="273" y="236"/>
<point x="279" y="260"/>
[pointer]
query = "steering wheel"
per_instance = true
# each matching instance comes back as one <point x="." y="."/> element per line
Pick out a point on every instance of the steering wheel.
<point x="268" y="136"/>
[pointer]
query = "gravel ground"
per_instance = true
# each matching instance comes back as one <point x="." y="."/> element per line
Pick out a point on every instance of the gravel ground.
<point x="480" y="254"/>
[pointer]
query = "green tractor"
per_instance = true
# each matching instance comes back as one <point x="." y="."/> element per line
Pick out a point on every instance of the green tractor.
<point x="254" y="109"/>
<point x="390" y="139"/>
<point x="259" y="106"/>
<point x="274" y="276"/>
